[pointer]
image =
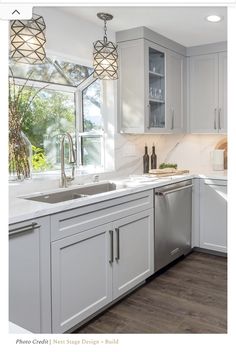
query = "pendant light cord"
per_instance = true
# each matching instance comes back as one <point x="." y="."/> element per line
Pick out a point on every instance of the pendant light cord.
<point x="105" y="31"/>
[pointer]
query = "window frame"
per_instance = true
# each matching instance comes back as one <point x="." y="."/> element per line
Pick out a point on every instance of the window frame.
<point x="78" y="101"/>
<point x="79" y="119"/>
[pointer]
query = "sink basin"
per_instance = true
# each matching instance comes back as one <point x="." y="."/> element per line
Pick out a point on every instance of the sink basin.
<point x="80" y="192"/>
<point x="57" y="197"/>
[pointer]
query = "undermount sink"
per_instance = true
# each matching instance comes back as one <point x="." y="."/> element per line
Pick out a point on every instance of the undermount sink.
<point x="80" y="192"/>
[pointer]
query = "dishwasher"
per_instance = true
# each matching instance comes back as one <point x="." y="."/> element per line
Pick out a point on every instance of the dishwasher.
<point x="173" y="219"/>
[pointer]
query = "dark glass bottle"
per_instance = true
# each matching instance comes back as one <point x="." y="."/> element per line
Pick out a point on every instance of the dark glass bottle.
<point x="146" y="161"/>
<point x="153" y="158"/>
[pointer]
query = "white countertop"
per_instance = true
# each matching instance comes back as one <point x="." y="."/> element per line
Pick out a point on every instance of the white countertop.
<point x="23" y="209"/>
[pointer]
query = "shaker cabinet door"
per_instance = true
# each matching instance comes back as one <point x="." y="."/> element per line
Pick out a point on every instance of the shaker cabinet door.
<point x="133" y="251"/>
<point x="203" y="90"/>
<point x="81" y="277"/>
<point x="213" y="216"/>
<point x="29" y="275"/>
<point x="222" y="117"/>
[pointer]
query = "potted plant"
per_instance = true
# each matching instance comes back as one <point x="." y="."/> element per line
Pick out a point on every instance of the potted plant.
<point x="20" y="149"/>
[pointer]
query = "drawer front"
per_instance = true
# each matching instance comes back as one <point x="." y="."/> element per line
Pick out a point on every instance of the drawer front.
<point x="81" y="219"/>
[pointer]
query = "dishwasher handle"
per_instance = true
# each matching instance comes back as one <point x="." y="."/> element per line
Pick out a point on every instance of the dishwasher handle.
<point x="159" y="193"/>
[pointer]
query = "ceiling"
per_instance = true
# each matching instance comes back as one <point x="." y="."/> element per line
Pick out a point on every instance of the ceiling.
<point x="185" y="25"/>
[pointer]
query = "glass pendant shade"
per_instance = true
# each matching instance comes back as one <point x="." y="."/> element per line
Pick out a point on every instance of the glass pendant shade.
<point x="28" y="40"/>
<point x="105" y="58"/>
<point x="105" y="55"/>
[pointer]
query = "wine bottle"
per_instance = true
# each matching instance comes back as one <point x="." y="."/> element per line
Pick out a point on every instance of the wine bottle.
<point x="146" y="160"/>
<point x="153" y="158"/>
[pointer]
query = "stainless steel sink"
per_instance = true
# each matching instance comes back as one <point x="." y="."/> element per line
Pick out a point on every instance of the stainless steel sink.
<point x="70" y="194"/>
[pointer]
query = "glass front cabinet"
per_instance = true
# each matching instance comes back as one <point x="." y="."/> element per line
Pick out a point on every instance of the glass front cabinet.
<point x="150" y="88"/>
<point x="156" y="89"/>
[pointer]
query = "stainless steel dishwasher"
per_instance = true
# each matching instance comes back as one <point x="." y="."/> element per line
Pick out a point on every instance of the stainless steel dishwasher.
<point x="173" y="219"/>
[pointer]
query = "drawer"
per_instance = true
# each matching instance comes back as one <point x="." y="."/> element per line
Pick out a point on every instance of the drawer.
<point x="83" y="218"/>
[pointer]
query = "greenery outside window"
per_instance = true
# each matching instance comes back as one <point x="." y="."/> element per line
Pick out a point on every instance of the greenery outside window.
<point x="70" y="100"/>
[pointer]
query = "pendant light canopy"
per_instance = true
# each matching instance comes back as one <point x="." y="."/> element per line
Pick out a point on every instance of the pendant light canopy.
<point x="28" y="40"/>
<point x="105" y="54"/>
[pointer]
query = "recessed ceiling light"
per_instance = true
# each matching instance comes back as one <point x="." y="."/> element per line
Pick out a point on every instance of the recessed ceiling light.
<point x="214" y="18"/>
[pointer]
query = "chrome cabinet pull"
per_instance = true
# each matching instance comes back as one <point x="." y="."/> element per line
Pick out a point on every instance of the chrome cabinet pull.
<point x="219" y="117"/>
<point x="173" y="190"/>
<point x="111" y="247"/>
<point x="215" y="110"/>
<point x="21" y="229"/>
<point x="172" y="119"/>
<point x="117" y="243"/>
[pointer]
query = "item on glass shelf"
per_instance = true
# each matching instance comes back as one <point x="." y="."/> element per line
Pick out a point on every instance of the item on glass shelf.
<point x="145" y="160"/>
<point x="153" y="158"/>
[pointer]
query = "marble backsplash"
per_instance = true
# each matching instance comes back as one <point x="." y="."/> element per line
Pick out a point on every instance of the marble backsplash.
<point x="189" y="151"/>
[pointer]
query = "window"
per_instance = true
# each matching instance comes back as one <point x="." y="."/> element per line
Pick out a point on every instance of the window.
<point x="91" y="136"/>
<point x="68" y="99"/>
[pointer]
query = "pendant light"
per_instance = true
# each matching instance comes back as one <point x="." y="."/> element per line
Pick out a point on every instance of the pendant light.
<point x="105" y="54"/>
<point x="28" y="40"/>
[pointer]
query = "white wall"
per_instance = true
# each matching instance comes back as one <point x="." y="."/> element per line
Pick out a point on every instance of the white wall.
<point x="69" y="35"/>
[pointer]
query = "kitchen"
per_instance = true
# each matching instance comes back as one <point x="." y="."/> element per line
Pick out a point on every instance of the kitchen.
<point x="101" y="209"/>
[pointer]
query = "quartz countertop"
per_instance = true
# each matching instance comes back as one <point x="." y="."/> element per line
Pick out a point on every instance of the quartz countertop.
<point x="21" y="209"/>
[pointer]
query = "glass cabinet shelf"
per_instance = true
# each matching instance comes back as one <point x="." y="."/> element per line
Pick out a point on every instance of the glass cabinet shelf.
<point x="156" y="100"/>
<point x="156" y="96"/>
<point x="156" y="74"/>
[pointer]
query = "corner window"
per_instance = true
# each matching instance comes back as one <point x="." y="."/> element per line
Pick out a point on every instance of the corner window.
<point x="67" y="99"/>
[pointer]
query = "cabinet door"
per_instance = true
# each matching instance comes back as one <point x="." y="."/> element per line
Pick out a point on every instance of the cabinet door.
<point x="155" y="88"/>
<point x="81" y="277"/>
<point x="131" y="101"/>
<point x="204" y="93"/>
<point x="213" y="216"/>
<point x="222" y="113"/>
<point x="29" y="275"/>
<point x="133" y="251"/>
<point x="174" y="91"/>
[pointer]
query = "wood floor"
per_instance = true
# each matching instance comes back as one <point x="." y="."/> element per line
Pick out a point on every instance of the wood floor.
<point x="190" y="297"/>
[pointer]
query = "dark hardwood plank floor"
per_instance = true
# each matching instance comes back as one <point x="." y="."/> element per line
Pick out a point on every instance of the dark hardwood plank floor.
<point x="190" y="297"/>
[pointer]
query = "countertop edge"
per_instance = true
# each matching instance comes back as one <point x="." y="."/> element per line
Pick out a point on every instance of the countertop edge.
<point x="49" y="209"/>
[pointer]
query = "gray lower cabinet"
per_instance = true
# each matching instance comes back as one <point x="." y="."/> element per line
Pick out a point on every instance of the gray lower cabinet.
<point x="213" y="215"/>
<point x="81" y="277"/>
<point x="29" y="275"/>
<point x="134" y="251"/>
<point x="94" y="267"/>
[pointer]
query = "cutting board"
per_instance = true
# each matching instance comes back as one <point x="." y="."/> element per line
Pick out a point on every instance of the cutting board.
<point x="167" y="172"/>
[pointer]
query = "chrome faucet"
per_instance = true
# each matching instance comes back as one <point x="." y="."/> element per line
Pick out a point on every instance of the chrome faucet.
<point x="72" y="159"/>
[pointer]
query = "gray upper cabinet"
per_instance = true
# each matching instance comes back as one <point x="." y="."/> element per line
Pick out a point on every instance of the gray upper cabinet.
<point x="150" y="88"/>
<point x="207" y="90"/>
<point x="131" y="91"/>
<point x="222" y="122"/>
<point x="29" y="275"/>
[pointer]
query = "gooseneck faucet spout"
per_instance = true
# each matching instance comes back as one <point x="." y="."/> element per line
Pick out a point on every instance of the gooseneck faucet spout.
<point x="72" y="160"/>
